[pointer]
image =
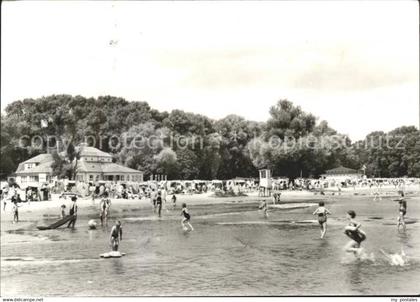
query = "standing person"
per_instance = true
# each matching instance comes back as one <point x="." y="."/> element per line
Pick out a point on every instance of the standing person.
<point x="63" y="211"/>
<point x="174" y="201"/>
<point x="104" y="207"/>
<point x="186" y="218"/>
<point x="377" y="193"/>
<point x="164" y="194"/>
<point x="401" y="188"/>
<point x="92" y="192"/>
<point x="15" y="210"/>
<point x="159" y="204"/>
<point x="403" y="211"/>
<point x="73" y="212"/>
<point x="263" y="207"/>
<point x="357" y="236"/>
<point x="322" y="213"/>
<point x="153" y="197"/>
<point x="116" y="235"/>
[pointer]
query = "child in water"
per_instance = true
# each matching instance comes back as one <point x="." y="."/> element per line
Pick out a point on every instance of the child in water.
<point x="403" y="211"/>
<point x="322" y="213"/>
<point x="186" y="219"/>
<point x="263" y="207"/>
<point x="357" y="236"/>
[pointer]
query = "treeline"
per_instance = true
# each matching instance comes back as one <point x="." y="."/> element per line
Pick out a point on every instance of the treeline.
<point x="192" y="146"/>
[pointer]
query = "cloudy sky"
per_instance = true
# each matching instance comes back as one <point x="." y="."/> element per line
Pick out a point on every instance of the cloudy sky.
<point x="354" y="64"/>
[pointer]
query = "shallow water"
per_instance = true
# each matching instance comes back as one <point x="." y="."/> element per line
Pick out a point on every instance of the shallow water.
<point x="232" y="251"/>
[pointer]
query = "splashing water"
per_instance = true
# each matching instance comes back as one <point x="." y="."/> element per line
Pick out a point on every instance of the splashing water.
<point x="397" y="259"/>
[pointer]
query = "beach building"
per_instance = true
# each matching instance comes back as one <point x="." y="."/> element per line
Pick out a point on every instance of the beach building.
<point x="35" y="170"/>
<point x="94" y="165"/>
<point x="341" y="174"/>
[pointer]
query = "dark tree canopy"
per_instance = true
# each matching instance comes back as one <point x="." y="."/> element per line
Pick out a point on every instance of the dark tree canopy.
<point x="191" y="146"/>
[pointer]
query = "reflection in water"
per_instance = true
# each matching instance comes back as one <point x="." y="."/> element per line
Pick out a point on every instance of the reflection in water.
<point x="404" y="238"/>
<point x="117" y="265"/>
<point x="356" y="277"/>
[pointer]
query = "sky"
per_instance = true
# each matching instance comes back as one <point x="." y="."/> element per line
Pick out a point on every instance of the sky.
<point x="354" y="64"/>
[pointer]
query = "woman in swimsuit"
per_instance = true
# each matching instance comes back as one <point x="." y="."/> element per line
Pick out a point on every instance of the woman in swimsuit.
<point x="403" y="211"/>
<point x="186" y="218"/>
<point x="322" y="213"/>
<point x="354" y="232"/>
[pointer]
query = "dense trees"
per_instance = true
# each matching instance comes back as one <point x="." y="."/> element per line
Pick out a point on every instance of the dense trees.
<point x="187" y="145"/>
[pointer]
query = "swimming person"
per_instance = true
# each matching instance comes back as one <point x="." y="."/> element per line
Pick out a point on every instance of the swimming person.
<point x="353" y="231"/>
<point x="104" y="206"/>
<point x="116" y="235"/>
<point x="263" y="207"/>
<point x="63" y="211"/>
<point x="322" y="213"/>
<point x="73" y="212"/>
<point x="186" y="219"/>
<point x="403" y="211"/>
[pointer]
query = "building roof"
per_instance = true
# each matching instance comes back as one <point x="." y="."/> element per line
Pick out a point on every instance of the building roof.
<point x="91" y="151"/>
<point x="44" y="162"/>
<point x="341" y="170"/>
<point x="106" y="168"/>
<point x="41" y="158"/>
<point x="41" y="168"/>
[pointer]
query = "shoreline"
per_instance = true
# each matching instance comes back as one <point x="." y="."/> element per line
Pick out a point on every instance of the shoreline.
<point x="37" y="213"/>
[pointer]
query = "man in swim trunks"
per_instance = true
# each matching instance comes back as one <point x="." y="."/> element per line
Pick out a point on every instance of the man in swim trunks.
<point x="322" y="213"/>
<point x="73" y="211"/>
<point x="116" y="235"/>
<point x="403" y="211"/>
<point x="353" y="231"/>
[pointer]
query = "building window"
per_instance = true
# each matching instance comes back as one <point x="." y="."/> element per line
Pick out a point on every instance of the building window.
<point x="122" y="177"/>
<point x="33" y="178"/>
<point x="90" y="177"/>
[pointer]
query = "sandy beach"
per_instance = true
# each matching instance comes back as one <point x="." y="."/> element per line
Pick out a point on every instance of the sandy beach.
<point x="35" y="213"/>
